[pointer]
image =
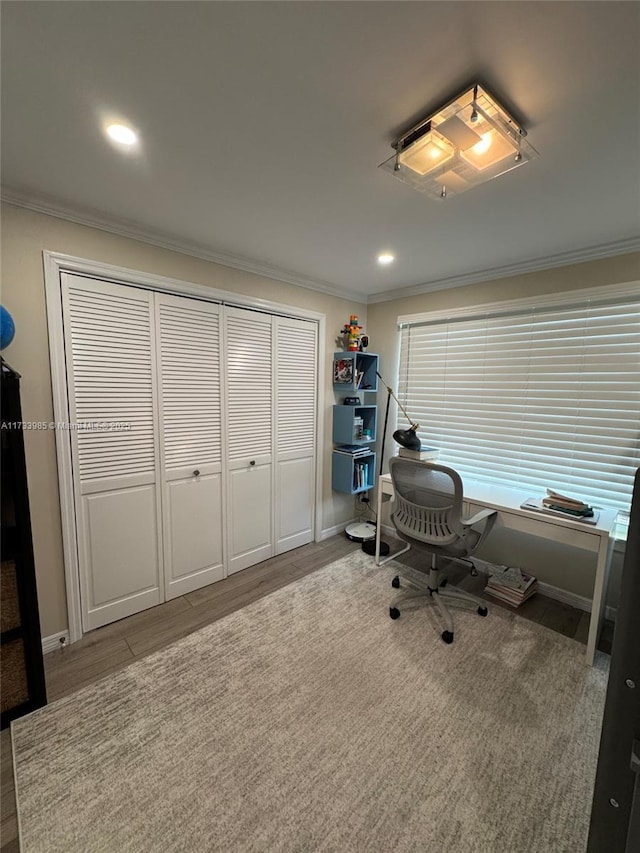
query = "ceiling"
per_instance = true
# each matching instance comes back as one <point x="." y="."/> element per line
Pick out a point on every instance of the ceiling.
<point x="262" y="126"/>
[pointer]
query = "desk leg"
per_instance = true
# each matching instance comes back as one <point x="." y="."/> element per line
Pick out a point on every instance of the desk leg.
<point x="378" y="524"/>
<point x="599" y="595"/>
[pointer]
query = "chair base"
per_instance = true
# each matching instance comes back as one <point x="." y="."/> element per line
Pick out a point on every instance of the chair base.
<point x="431" y="590"/>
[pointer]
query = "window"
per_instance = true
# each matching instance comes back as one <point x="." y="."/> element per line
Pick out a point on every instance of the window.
<point x="532" y="395"/>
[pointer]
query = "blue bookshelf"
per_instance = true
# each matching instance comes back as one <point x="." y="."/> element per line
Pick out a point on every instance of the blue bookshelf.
<point x="353" y="474"/>
<point x="354" y="424"/>
<point x="355" y="374"/>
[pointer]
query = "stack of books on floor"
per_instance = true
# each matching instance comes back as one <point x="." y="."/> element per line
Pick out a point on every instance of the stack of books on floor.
<point x="511" y="585"/>
<point x="570" y="506"/>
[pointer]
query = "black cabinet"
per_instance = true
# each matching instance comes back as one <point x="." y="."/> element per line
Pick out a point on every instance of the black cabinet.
<point x="615" y="813"/>
<point x="22" y="669"/>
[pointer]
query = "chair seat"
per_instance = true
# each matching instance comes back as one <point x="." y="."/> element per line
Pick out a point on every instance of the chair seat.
<point x="459" y="548"/>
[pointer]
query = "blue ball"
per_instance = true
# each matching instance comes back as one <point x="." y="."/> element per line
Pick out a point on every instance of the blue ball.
<point x="7" y="327"/>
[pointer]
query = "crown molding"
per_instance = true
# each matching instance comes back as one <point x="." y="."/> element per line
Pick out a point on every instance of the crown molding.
<point x="133" y="231"/>
<point x="577" y="256"/>
<point x="607" y="294"/>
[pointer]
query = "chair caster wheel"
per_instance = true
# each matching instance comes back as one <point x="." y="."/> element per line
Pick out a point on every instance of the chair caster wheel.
<point x="394" y="613"/>
<point x="447" y="636"/>
<point x="482" y="611"/>
<point x="395" y="583"/>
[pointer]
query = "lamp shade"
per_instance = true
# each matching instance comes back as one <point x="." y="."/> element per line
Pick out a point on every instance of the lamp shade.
<point x="407" y="438"/>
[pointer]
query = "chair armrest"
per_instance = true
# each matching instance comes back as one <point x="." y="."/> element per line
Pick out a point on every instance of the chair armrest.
<point x="479" y="516"/>
<point x="488" y="516"/>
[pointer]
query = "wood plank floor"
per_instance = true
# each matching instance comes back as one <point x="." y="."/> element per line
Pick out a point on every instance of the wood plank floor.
<point x="108" y="649"/>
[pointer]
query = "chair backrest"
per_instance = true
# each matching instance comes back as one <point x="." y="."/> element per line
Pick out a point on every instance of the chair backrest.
<point x="427" y="503"/>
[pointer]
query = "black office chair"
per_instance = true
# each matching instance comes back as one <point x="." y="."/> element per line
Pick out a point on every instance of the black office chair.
<point x="427" y="513"/>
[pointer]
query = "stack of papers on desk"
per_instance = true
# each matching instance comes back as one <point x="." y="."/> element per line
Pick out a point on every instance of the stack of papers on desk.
<point x="511" y="585"/>
<point x="538" y="505"/>
<point x="572" y="506"/>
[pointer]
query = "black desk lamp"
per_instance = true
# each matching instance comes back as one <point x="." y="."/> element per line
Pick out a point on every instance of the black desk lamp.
<point x="405" y="438"/>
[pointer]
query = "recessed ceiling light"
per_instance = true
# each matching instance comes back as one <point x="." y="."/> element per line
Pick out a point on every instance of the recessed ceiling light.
<point x="122" y="134"/>
<point x="386" y="258"/>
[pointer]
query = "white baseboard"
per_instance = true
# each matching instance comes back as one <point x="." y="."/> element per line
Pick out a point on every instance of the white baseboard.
<point x="573" y="600"/>
<point x="50" y="644"/>
<point x="558" y="594"/>
<point x="340" y="528"/>
<point x="328" y="532"/>
<point x="562" y="595"/>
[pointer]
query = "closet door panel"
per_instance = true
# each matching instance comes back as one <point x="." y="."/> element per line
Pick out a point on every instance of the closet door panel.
<point x="295" y="503"/>
<point x="296" y="381"/>
<point x="250" y="498"/>
<point x="110" y="348"/>
<point x="122" y="552"/>
<point x="195" y="528"/>
<point x="249" y="430"/>
<point x="190" y="401"/>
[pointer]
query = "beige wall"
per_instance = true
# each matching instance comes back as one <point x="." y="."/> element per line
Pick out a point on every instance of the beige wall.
<point x="382" y="316"/>
<point x="24" y="237"/>
<point x="564" y="569"/>
<point x="26" y="234"/>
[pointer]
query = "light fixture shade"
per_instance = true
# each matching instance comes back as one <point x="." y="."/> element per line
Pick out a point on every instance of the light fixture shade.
<point x="468" y="141"/>
<point x="427" y="154"/>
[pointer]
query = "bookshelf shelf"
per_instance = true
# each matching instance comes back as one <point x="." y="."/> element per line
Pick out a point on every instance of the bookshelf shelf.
<point x="355" y="371"/>
<point x="353" y="474"/>
<point x="354" y="424"/>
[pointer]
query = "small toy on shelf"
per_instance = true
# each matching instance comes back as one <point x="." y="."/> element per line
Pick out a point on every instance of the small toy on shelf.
<point x="353" y="337"/>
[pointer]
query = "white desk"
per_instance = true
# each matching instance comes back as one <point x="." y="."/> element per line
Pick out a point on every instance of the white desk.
<point x="596" y="538"/>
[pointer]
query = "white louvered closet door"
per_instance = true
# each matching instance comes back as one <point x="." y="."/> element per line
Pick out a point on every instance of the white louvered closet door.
<point x="249" y="429"/>
<point x="188" y="334"/>
<point x="110" y="352"/>
<point x="295" y="426"/>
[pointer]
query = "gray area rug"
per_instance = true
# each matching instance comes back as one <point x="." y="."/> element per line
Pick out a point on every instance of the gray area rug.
<point x="310" y="721"/>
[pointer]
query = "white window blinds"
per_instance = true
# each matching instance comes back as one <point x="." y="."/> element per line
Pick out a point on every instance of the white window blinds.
<point x="535" y="397"/>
